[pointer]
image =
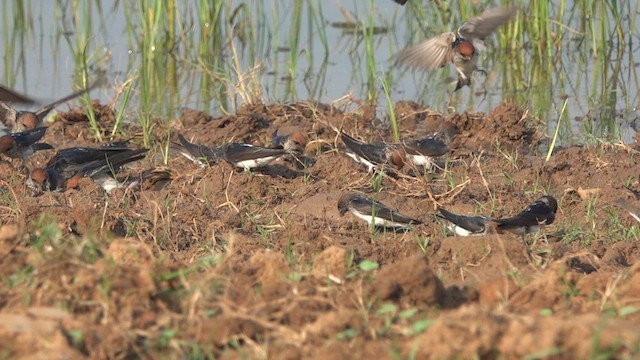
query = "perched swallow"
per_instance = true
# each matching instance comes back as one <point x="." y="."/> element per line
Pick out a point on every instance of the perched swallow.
<point x="69" y="165"/>
<point x="632" y="209"/>
<point x="248" y="156"/>
<point x="293" y="143"/>
<point x="77" y="156"/>
<point x="459" y="47"/>
<point x="21" y="145"/>
<point x="8" y="95"/>
<point x="152" y="179"/>
<point x="22" y="120"/>
<point x="465" y="225"/>
<point x="421" y="152"/>
<point x="540" y="212"/>
<point x="374" y="154"/>
<point x="401" y="2"/>
<point x="373" y="212"/>
<point x="199" y="154"/>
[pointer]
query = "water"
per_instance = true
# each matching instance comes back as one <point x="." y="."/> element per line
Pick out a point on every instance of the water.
<point x="602" y="96"/>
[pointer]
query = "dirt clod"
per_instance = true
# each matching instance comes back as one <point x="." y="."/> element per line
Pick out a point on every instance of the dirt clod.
<point x="410" y="281"/>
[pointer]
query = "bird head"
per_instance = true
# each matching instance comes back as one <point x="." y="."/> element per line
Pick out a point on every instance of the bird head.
<point x="38" y="181"/>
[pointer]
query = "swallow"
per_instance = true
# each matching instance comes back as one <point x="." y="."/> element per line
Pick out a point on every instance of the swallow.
<point x="374" y="154"/>
<point x="295" y="142"/>
<point x="248" y="156"/>
<point x="8" y="95"/>
<point x="401" y="2"/>
<point x="421" y="152"/>
<point x="375" y="213"/>
<point x="21" y="145"/>
<point x="65" y="169"/>
<point x="23" y="120"/>
<point x="462" y="225"/>
<point x="199" y="154"/>
<point x="539" y="213"/>
<point x="152" y="179"/>
<point x="75" y="156"/>
<point x="632" y="209"/>
<point x="459" y="47"/>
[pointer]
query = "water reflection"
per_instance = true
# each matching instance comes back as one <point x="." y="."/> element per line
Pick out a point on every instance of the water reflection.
<point x="217" y="56"/>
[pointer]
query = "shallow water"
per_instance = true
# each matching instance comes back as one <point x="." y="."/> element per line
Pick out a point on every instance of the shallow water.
<point x="602" y="94"/>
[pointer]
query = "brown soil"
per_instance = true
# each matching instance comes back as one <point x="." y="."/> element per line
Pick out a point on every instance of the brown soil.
<point x="228" y="264"/>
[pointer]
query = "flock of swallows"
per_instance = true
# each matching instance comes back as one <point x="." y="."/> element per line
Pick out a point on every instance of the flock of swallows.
<point x="102" y="163"/>
<point x="460" y="49"/>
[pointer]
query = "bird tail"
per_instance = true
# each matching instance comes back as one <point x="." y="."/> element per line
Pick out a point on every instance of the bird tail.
<point x="42" y="146"/>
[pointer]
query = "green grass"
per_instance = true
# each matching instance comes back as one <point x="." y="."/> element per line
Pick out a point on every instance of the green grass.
<point x="230" y="54"/>
<point x="214" y="56"/>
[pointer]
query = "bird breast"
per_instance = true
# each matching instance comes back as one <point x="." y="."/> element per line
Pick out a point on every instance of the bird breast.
<point x="466" y="49"/>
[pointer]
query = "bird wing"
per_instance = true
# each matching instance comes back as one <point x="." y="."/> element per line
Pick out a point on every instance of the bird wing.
<point x="111" y="163"/>
<point x="483" y="25"/>
<point x="7" y="114"/>
<point x="474" y="224"/>
<point x="9" y="95"/>
<point x="82" y="155"/>
<point x="536" y="214"/>
<point x="212" y="155"/>
<point x="632" y="209"/>
<point x="430" y="54"/>
<point x="430" y="146"/>
<point x="43" y="111"/>
<point x="365" y="205"/>
<point x="373" y="152"/>
<point x="236" y="152"/>
<point x="28" y="137"/>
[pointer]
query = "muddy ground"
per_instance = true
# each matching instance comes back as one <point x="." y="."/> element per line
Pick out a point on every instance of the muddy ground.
<point x="230" y="264"/>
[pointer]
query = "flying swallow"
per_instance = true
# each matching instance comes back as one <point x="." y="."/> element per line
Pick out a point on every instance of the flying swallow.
<point x="375" y="213"/>
<point x="374" y="154"/>
<point x="459" y="47"/>
<point x="248" y="156"/>
<point x="199" y="154"/>
<point x="23" y="120"/>
<point x="421" y="152"/>
<point x="21" y="145"/>
<point x="539" y="213"/>
<point x="8" y="95"/>
<point x="293" y="143"/>
<point x="465" y="225"/>
<point x="69" y="165"/>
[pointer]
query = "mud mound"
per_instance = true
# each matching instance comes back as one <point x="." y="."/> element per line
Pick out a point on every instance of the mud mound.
<point x="222" y="262"/>
<point x="479" y="258"/>
<point x="470" y="332"/>
<point x="409" y="282"/>
<point x="507" y="126"/>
